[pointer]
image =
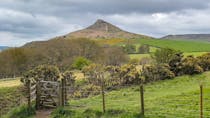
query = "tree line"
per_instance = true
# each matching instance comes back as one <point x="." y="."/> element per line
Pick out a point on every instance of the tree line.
<point x="58" y="52"/>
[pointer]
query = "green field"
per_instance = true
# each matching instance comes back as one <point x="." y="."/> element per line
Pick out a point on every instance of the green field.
<point x="185" y="46"/>
<point x="9" y="82"/>
<point x="175" y="98"/>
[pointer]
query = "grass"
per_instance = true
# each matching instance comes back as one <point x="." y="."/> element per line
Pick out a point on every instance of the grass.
<point x="178" y="98"/>
<point x="11" y="95"/>
<point x="185" y="46"/>
<point x="10" y="82"/>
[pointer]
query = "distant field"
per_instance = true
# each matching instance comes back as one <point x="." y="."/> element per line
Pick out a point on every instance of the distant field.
<point x="140" y="56"/>
<point x="9" y="82"/>
<point x="175" y="98"/>
<point x="185" y="46"/>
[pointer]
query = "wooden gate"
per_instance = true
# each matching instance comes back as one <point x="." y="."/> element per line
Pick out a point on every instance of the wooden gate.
<point x="48" y="94"/>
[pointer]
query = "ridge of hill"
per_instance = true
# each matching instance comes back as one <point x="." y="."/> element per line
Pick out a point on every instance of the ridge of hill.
<point x="197" y="37"/>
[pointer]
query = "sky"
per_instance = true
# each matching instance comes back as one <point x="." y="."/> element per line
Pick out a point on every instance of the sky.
<point x="23" y="21"/>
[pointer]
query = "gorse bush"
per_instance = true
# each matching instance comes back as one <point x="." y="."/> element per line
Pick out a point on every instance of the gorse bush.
<point x="87" y="90"/>
<point x="42" y="72"/>
<point x="204" y="61"/>
<point x="190" y="65"/>
<point x="70" y="78"/>
<point x="157" y="72"/>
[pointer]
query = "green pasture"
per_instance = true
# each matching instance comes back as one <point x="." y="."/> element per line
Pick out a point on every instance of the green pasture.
<point x="175" y="98"/>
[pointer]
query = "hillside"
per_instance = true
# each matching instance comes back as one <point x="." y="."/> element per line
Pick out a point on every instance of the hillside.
<point x="104" y="30"/>
<point x="3" y="47"/>
<point x="197" y="37"/>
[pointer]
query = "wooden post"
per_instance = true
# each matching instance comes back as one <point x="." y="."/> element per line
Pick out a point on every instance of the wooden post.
<point x="38" y="95"/>
<point x="65" y="93"/>
<point x="201" y="101"/>
<point x="103" y="93"/>
<point x="142" y="98"/>
<point x="62" y="92"/>
<point x="29" y="93"/>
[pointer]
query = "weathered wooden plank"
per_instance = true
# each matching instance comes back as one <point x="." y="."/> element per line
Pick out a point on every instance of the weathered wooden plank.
<point x="33" y="87"/>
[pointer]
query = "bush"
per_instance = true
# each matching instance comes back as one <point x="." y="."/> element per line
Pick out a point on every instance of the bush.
<point x="164" y="55"/>
<point x="70" y="78"/>
<point x="42" y="72"/>
<point x="204" y="61"/>
<point x="176" y="64"/>
<point x="143" y="49"/>
<point x="130" y="48"/>
<point x="191" y="66"/>
<point x="134" y="61"/>
<point x="157" y="72"/>
<point x="80" y="62"/>
<point x="87" y="90"/>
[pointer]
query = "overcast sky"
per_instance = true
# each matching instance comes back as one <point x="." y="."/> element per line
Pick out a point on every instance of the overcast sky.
<point x="22" y="21"/>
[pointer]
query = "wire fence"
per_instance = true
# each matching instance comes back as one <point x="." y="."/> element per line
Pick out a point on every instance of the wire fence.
<point x="159" y="101"/>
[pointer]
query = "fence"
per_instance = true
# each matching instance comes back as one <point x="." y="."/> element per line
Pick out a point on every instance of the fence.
<point x="149" y="101"/>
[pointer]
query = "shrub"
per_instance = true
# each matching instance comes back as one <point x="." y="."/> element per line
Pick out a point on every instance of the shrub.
<point x="87" y="90"/>
<point x="143" y="49"/>
<point x="191" y="66"/>
<point x="176" y="64"/>
<point x="164" y="55"/>
<point x="134" y="61"/>
<point x="42" y="72"/>
<point x="157" y="72"/>
<point x="130" y="48"/>
<point x="204" y="61"/>
<point x="70" y="78"/>
<point x="80" y="62"/>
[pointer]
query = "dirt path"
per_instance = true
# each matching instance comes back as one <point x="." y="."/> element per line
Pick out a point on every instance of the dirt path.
<point x="44" y="113"/>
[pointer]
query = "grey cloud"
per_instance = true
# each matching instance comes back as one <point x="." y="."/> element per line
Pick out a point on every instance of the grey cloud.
<point x="27" y="20"/>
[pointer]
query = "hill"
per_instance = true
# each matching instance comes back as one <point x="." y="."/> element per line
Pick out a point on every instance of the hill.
<point x="197" y="37"/>
<point x="104" y="30"/>
<point x="3" y="47"/>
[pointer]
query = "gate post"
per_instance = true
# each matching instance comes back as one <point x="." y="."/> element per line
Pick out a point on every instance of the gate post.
<point x="62" y="92"/>
<point x="38" y="95"/>
<point x="29" y="93"/>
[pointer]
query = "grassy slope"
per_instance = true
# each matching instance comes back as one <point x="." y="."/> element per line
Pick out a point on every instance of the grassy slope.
<point x="169" y="98"/>
<point x="9" y="82"/>
<point x="185" y="46"/>
<point x="11" y="94"/>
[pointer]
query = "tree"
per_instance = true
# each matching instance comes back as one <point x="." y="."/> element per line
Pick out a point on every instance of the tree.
<point x="80" y="62"/>
<point x="113" y="55"/>
<point x="144" y="49"/>
<point x="164" y="55"/>
<point x="130" y="48"/>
